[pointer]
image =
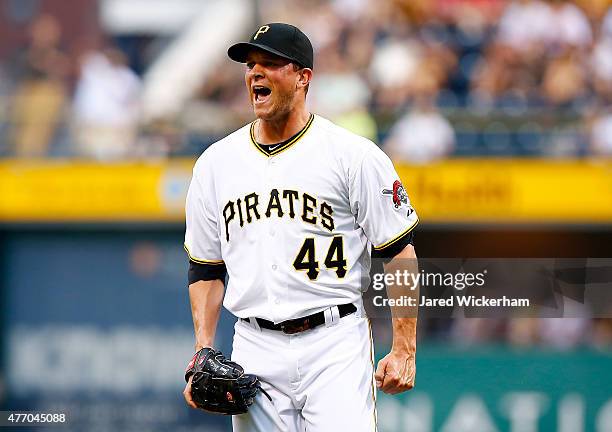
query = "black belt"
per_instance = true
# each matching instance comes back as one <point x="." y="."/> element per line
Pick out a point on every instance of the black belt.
<point x="305" y="323"/>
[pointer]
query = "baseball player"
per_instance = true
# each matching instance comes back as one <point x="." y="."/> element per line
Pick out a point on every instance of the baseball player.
<point x="292" y="207"/>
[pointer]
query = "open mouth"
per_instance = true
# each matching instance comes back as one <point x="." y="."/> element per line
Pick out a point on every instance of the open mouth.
<point x="261" y="93"/>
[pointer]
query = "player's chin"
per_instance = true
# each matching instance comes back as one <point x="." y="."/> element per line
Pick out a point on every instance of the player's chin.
<point x="264" y="113"/>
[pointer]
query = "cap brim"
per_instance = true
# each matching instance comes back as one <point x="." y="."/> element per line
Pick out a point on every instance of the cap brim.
<point x="238" y="52"/>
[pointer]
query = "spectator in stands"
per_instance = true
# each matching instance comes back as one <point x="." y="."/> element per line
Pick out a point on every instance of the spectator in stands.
<point x="601" y="61"/>
<point x="492" y="77"/>
<point x="5" y="92"/>
<point x="432" y="70"/>
<point x="601" y="133"/>
<point x="422" y="135"/>
<point x="359" y="47"/>
<point x="473" y="331"/>
<point x="564" y="80"/>
<point x="393" y="68"/>
<point x="594" y="9"/>
<point x="606" y="26"/>
<point x="601" y="335"/>
<point x="524" y="28"/>
<point x="568" y="28"/>
<point x="522" y="332"/>
<point x="341" y="94"/>
<point x="41" y="90"/>
<point x="106" y="106"/>
<point x="564" y="333"/>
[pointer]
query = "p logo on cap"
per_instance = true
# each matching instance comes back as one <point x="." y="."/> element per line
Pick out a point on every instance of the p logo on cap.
<point x="261" y="30"/>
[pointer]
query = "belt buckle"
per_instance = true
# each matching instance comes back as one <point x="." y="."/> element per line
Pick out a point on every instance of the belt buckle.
<point x="292" y="327"/>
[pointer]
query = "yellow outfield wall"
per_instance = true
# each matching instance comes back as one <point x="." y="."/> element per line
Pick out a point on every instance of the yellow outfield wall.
<point x="509" y="191"/>
<point x="460" y="190"/>
<point x="90" y="192"/>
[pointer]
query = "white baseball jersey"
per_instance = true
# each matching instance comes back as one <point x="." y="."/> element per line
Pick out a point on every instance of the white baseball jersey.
<point x="294" y="224"/>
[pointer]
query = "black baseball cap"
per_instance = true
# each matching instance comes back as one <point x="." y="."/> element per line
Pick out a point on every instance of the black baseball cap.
<point x="284" y="40"/>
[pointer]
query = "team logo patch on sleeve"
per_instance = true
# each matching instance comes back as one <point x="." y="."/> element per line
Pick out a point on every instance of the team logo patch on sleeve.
<point x="399" y="196"/>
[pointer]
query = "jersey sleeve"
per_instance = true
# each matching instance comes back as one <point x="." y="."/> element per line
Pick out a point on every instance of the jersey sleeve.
<point x="381" y="205"/>
<point x="202" y="241"/>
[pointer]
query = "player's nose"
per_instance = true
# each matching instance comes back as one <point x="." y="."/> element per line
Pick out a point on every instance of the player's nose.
<point x="257" y="71"/>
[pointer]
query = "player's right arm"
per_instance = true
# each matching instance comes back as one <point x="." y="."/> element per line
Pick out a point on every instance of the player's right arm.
<point x="207" y="269"/>
<point x="206" y="297"/>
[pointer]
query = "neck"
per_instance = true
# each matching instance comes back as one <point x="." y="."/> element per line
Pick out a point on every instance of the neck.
<point x="277" y="130"/>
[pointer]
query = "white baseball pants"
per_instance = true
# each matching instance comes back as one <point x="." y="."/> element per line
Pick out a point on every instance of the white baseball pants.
<point x="320" y="380"/>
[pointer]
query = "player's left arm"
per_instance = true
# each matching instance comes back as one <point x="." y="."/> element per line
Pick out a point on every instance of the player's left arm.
<point x="397" y="370"/>
<point x="383" y="210"/>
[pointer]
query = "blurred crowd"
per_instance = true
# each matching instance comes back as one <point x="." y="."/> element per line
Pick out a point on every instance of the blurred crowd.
<point x="425" y="79"/>
<point x="522" y="333"/>
<point x="83" y="102"/>
<point x="559" y="333"/>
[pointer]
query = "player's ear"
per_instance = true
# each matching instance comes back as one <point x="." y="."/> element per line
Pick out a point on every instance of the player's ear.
<point x="304" y="77"/>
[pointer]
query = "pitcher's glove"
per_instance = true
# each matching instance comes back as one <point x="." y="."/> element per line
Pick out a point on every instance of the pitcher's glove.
<point x="219" y="385"/>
